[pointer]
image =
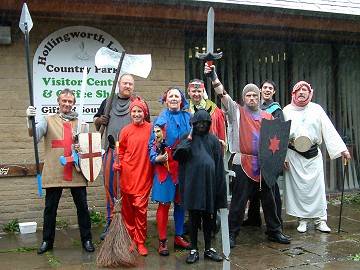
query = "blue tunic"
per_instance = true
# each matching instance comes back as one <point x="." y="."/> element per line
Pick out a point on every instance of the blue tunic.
<point x="176" y="125"/>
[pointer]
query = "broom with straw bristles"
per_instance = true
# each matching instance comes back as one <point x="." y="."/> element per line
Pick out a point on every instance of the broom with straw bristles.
<point x="118" y="248"/>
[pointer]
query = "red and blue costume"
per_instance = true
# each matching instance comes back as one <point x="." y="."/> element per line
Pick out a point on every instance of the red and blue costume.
<point x="174" y="124"/>
<point x="165" y="189"/>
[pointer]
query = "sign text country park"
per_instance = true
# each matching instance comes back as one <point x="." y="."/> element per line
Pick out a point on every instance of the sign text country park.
<point x="59" y="62"/>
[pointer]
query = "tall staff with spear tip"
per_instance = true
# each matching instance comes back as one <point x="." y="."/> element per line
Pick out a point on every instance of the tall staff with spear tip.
<point x="25" y="24"/>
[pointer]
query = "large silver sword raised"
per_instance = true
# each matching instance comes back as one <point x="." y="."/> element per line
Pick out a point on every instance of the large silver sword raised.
<point x="209" y="56"/>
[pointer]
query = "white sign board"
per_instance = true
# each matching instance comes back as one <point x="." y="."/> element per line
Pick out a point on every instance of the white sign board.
<point x="59" y="62"/>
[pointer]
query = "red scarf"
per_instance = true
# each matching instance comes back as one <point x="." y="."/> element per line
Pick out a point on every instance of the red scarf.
<point x="296" y="88"/>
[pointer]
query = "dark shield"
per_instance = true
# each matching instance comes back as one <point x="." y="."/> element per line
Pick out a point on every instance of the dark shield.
<point x="274" y="139"/>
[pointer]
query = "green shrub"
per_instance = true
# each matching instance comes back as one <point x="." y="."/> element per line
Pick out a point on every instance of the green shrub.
<point x="350" y="198"/>
<point x="353" y="198"/>
<point x="96" y="217"/>
<point x="12" y="226"/>
<point x="355" y="257"/>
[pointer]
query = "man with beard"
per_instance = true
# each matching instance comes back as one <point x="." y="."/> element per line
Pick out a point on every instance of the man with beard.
<point x="268" y="89"/>
<point x="244" y="130"/>
<point x="305" y="196"/>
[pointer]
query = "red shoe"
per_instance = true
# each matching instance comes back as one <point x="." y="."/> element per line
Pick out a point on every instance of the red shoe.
<point x="142" y="249"/>
<point x="180" y="243"/>
<point x="163" y="248"/>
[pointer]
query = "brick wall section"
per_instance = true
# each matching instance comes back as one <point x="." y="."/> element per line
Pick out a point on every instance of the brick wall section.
<point x="18" y="198"/>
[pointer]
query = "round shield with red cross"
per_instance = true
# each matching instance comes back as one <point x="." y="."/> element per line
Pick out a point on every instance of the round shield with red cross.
<point x="90" y="155"/>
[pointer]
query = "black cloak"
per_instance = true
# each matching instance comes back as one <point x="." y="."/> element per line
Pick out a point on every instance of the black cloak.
<point x="201" y="169"/>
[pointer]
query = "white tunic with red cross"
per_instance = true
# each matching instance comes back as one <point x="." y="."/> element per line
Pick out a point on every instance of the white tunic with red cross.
<point x="58" y="142"/>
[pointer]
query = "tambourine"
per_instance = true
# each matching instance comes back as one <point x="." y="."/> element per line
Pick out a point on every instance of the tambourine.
<point x="302" y="144"/>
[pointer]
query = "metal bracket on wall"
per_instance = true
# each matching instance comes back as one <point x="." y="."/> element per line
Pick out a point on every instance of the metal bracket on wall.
<point x="18" y="170"/>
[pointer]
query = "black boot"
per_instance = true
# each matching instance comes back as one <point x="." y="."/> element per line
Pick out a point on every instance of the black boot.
<point x="88" y="246"/>
<point x="193" y="256"/>
<point x="211" y="254"/>
<point x="278" y="237"/>
<point x="45" y="246"/>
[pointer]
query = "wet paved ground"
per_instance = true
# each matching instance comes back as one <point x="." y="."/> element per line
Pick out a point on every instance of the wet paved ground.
<point x="311" y="250"/>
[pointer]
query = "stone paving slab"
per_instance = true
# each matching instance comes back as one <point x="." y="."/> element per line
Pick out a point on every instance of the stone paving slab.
<point x="349" y="265"/>
<point x="310" y="250"/>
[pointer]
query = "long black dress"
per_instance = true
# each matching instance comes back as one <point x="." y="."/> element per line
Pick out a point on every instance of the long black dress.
<point x="201" y="170"/>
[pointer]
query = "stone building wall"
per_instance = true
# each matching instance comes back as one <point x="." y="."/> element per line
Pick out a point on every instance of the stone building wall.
<point x="18" y="195"/>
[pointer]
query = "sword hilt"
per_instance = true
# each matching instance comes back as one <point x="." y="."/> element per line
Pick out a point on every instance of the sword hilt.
<point x="209" y="56"/>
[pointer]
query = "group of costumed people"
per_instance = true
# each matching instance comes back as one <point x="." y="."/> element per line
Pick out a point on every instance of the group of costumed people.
<point x="303" y="170"/>
<point x="179" y="158"/>
<point x="145" y="160"/>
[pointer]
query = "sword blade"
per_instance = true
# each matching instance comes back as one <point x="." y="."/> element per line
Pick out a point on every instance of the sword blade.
<point x="226" y="265"/>
<point x="224" y="213"/>
<point x="210" y="30"/>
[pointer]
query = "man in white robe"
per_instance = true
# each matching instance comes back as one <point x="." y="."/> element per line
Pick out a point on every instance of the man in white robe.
<point x="304" y="175"/>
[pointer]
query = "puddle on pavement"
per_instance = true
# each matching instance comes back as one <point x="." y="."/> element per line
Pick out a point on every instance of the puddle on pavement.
<point x="294" y="251"/>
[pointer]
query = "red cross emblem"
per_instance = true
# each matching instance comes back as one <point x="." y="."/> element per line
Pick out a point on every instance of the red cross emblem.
<point x="65" y="143"/>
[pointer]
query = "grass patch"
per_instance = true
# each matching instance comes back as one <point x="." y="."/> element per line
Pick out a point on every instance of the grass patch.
<point x="19" y="250"/>
<point x="62" y="224"/>
<point x="353" y="198"/>
<point x="12" y="226"/>
<point x="52" y="260"/>
<point x="147" y="242"/>
<point x="355" y="257"/>
<point x="76" y="243"/>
